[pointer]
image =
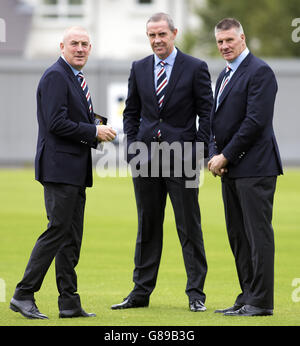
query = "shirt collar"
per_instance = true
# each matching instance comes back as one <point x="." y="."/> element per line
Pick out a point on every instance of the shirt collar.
<point x="169" y="60"/>
<point x="74" y="70"/>
<point x="236" y="63"/>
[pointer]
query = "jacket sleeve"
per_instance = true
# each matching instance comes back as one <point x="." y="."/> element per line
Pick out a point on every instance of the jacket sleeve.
<point x="204" y="101"/>
<point x="212" y="147"/>
<point x="132" y="111"/>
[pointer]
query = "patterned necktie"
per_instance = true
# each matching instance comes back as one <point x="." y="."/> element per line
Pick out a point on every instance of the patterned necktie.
<point x="225" y="80"/>
<point x="223" y="85"/>
<point x="85" y="89"/>
<point x="161" y="84"/>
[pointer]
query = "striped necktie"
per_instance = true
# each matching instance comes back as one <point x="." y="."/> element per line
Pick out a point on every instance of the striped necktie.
<point x="161" y="84"/>
<point x="85" y="89"/>
<point x="225" y="80"/>
<point x="223" y="85"/>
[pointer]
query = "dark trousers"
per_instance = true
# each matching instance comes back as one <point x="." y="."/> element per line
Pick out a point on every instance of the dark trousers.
<point x="248" y="206"/>
<point x="62" y="241"/>
<point x="151" y="194"/>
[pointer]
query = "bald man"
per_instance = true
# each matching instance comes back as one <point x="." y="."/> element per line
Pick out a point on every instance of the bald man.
<point x="63" y="165"/>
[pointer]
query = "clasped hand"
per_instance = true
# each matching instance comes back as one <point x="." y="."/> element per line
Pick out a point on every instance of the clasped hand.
<point x="217" y="165"/>
<point x="105" y="133"/>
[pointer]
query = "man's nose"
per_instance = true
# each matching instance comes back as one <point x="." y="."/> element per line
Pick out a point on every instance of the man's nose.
<point x="224" y="45"/>
<point x="157" y="39"/>
<point x="79" y="47"/>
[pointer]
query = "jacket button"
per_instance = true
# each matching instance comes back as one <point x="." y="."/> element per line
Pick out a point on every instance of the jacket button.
<point x="161" y="120"/>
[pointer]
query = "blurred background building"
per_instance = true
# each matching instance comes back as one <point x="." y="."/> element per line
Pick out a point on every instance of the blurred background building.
<point x="31" y="30"/>
<point x="117" y="27"/>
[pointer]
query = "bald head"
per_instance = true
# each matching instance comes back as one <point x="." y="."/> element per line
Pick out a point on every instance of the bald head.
<point x="76" y="46"/>
<point x="74" y="30"/>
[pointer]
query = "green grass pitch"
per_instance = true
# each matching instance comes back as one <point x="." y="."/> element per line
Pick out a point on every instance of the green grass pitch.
<point x="106" y="262"/>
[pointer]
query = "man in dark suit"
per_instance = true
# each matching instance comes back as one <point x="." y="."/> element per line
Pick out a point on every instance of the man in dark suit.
<point x="63" y="165"/>
<point x="166" y="93"/>
<point x="244" y="152"/>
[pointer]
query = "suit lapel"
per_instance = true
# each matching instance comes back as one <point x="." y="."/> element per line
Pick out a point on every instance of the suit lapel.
<point x="76" y="83"/>
<point x="82" y="95"/>
<point x="217" y="88"/>
<point x="176" y="72"/>
<point x="149" y="82"/>
<point x="238" y="73"/>
<point x="219" y="81"/>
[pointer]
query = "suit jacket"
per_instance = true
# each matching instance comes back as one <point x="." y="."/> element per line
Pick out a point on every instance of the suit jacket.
<point x="241" y="127"/>
<point x="188" y="94"/>
<point x="66" y="129"/>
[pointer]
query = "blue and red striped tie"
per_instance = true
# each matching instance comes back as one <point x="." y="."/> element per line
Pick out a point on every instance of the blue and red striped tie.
<point x="161" y="84"/>
<point x="86" y="91"/>
<point x="223" y="85"/>
<point x="225" y="80"/>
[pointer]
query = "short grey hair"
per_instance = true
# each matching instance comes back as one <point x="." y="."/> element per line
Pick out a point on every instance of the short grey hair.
<point x="229" y="23"/>
<point x="157" y="17"/>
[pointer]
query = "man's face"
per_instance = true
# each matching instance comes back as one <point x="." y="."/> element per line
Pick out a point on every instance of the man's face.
<point x="161" y="38"/>
<point x="76" y="48"/>
<point x="230" y="43"/>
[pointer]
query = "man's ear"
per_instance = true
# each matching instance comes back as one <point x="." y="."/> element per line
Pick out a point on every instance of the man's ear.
<point x="175" y="31"/>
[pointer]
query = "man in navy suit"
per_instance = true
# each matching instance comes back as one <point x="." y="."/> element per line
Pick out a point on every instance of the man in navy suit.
<point x="244" y="152"/>
<point x="152" y="116"/>
<point x="63" y="164"/>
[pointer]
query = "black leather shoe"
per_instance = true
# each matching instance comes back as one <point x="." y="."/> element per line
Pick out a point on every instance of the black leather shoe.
<point x="27" y="308"/>
<point x="250" y="310"/>
<point x="131" y="302"/>
<point x="75" y="313"/>
<point x="231" y="309"/>
<point x="197" y="305"/>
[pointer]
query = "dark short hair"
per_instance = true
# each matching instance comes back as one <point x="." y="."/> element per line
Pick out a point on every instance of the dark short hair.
<point x="229" y="23"/>
<point x="157" y="17"/>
